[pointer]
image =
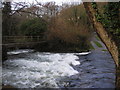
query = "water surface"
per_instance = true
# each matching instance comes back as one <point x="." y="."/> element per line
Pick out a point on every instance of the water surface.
<point x="29" y="69"/>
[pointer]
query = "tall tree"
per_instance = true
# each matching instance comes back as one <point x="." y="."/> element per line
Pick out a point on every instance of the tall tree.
<point x="6" y="23"/>
<point x="106" y="37"/>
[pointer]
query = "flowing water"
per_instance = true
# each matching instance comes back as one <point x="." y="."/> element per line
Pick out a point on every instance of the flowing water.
<point x="29" y="69"/>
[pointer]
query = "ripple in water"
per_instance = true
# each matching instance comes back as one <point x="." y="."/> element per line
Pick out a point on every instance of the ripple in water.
<point x="41" y="70"/>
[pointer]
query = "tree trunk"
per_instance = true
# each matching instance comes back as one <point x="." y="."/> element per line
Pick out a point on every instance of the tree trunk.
<point x="4" y="53"/>
<point x="105" y="37"/>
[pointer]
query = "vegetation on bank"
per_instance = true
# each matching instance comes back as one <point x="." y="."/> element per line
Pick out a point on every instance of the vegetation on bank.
<point x="69" y="30"/>
<point x="65" y="30"/>
<point x="33" y="27"/>
<point x="108" y="15"/>
<point x="110" y="20"/>
<point x="98" y="44"/>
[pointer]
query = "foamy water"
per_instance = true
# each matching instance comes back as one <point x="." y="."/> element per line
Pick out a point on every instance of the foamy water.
<point x="19" y="51"/>
<point x="41" y="70"/>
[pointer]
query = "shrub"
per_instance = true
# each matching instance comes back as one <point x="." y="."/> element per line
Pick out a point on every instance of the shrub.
<point x="70" y="29"/>
<point x="33" y="27"/>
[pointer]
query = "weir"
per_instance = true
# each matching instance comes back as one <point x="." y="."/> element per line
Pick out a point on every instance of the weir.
<point x="17" y="42"/>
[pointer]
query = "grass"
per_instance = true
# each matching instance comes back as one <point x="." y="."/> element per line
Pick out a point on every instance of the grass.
<point x="91" y="47"/>
<point x="97" y="38"/>
<point x="98" y="44"/>
<point x="104" y="50"/>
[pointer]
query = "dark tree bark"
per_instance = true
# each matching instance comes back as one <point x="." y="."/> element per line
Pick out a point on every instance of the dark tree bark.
<point x="6" y="18"/>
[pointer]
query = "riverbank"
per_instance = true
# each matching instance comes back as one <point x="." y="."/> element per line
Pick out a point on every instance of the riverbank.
<point x="62" y="47"/>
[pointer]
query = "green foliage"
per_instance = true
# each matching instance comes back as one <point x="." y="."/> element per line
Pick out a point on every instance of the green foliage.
<point x="94" y="5"/>
<point x="110" y="18"/>
<point x="98" y="17"/>
<point x="104" y="50"/>
<point x="33" y="27"/>
<point x="98" y="44"/>
<point x="111" y="14"/>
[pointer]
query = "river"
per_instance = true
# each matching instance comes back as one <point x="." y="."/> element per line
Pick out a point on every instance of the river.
<point x="30" y="69"/>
